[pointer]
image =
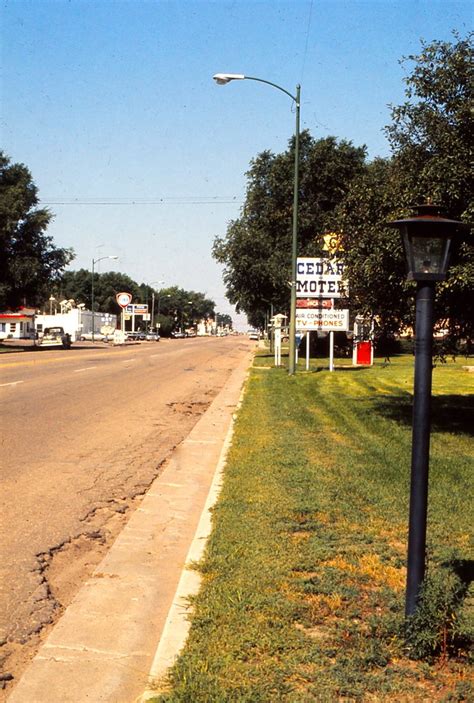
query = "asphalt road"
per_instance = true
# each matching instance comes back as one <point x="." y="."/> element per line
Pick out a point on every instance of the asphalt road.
<point x="84" y="433"/>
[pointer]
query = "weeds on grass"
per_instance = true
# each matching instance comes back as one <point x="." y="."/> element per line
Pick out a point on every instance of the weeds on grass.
<point x="440" y="626"/>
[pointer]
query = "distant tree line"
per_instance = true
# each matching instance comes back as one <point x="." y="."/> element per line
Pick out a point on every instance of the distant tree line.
<point x="431" y="138"/>
<point x="32" y="268"/>
<point x="173" y="307"/>
<point x="29" y="261"/>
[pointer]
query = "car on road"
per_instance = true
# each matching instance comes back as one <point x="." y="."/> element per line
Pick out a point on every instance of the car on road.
<point x="55" y="337"/>
<point x="253" y="334"/>
<point x="136" y="336"/>
<point x="152" y="337"/>
<point x="98" y="337"/>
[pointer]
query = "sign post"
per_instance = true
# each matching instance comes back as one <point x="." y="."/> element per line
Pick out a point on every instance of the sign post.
<point x="321" y="279"/>
<point x="324" y="320"/>
<point x="123" y="299"/>
<point x="277" y="345"/>
<point x="331" y="345"/>
<point x="331" y="350"/>
<point x="276" y="321"/>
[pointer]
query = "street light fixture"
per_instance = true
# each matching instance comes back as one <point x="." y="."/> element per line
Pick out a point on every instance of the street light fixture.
<point x="223" y="79"/>
<point x="167" y="295"/>
<point x="426" y="237"/>
<point x="94" y="262"/>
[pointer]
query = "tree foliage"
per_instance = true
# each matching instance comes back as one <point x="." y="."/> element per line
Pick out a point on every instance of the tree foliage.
<point x="431" y="139"/>
<point x="432" y="131"/>
<point x="29" y="261"/>
<point x="223" y="319"/>
<point x="431" y="136"/>
<point x="256" y="251"/>
<point x="77" y="285"/>
<point x="173" y="307"/>
<point x="180" y="308"/>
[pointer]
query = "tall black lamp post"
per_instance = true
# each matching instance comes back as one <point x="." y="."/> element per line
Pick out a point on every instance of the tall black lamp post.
<point x="426" y="237"/>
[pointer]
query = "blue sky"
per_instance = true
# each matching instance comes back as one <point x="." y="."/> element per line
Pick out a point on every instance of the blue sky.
<point x="139" y="154"/>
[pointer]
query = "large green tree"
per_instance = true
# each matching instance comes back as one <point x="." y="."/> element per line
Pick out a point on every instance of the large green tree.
<point x="256" y="251"/>
<point x="224" y="320"/>
<point x="29" y="262"/>
<point x="180" y="308"/>
<point x="432" y="138"/>
<point x="77" y="285"/>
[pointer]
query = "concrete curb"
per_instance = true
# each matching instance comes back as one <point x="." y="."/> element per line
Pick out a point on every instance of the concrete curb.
<point x="102" y="648"/>
<point x="176" y="629"/>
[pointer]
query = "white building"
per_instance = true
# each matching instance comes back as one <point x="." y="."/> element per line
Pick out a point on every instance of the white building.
<point x="77" y="322"/>
<point x="17" y="325"/>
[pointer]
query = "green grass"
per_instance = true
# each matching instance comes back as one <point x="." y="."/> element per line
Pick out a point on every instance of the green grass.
<point x="304" y="575"/>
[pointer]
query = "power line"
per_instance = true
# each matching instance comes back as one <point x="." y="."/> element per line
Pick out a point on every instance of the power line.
<point x="308" y="28"/>
<point x="179" y="200"/>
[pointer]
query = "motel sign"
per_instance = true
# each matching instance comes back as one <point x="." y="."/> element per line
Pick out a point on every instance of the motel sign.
<point x="320" y="278"/>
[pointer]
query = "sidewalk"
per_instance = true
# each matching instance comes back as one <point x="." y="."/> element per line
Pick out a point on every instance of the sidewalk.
<point x="102" y="648"/>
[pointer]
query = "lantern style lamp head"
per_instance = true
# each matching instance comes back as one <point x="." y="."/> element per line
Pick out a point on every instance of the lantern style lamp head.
<point x="427" y="237"/>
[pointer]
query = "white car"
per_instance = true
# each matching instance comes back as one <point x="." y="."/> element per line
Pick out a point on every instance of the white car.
<point x="253" y="334"/>
<point x="55" y="337"/>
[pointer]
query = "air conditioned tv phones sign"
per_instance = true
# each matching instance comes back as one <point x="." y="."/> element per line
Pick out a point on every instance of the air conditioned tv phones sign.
<point x="323" y="320"/>
<point x="320" y="278"/>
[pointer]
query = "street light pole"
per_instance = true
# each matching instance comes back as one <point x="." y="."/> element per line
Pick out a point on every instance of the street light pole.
<point x="223" y="79"/>
<point x="96" y="261"/>
<point x="167" y="295"/>
<point x="294" y="240"/>
<point x="426" y="240"/>
<point x="421" y="428"/>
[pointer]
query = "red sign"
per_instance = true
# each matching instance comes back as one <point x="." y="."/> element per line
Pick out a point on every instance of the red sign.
<point x="123" y="299"/>
<point x="314" y="303"/>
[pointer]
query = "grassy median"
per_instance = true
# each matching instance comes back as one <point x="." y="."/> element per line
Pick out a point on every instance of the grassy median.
<point x="304" y="576"/>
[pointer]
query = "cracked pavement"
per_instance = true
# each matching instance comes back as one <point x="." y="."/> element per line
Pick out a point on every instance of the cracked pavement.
<point x="79" y="452"/>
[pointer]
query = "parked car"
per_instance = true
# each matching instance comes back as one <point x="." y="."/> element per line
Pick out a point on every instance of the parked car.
<point x="152" y="337"/>
<point x="136" y="336"/>
<point x="253" y="334"/>
<point x="178" y="335"/>
<point x="55" y="337"/>
<point x="98" y="337"/>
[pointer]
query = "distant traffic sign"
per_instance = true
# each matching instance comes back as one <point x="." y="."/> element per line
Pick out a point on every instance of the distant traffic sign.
<point x="138" y="309"/>
<point x="123" y="299"/>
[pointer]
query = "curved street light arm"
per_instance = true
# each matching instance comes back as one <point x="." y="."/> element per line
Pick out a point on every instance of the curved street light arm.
<point x="96" y="261"/>
<point x="223" y="79"/>
<point x="295" y="98"/>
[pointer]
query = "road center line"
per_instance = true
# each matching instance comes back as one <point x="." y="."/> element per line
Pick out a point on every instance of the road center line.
<point x="12" y="383"/>
<point x="86" y="368"/>
<point x="125" y="361"/>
